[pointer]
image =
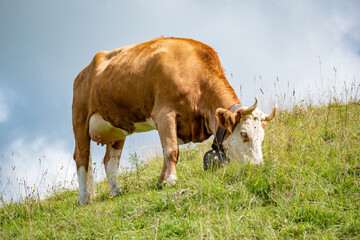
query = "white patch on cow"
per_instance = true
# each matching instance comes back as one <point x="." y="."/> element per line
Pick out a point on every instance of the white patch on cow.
<point x="148" y="125"/>
<point x="171" y="180"/>
<point x="112" y="171"/>
<point x="83" y="192"/>
<point x="101" y="130"/>
<point x="246" y="151"/>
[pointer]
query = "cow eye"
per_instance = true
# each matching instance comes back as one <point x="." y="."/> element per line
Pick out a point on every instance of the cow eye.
<point x="244" y="136"/>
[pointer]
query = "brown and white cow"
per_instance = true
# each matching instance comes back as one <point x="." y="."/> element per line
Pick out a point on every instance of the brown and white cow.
<point x="174" y="85"/>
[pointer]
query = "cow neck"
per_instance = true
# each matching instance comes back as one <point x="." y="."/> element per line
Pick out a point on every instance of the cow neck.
<point x="219" y="94"/>
<point x="213" y="123"/>
<point x="220" y="132"/>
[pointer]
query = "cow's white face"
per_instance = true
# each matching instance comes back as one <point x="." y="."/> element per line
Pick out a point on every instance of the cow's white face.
<point x="244" y="143"/>
<point x="247" y="133"/>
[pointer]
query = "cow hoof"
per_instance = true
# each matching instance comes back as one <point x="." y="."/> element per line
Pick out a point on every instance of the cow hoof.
<point x="84" y="200"/>
<point x="171" y="180"/>
<point x="114" y="192"/>
<point x="112" y="195"/>
<point x="161" y="184"/>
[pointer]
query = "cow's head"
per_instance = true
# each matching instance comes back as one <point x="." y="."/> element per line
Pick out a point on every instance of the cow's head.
<point x="246" y="128"/>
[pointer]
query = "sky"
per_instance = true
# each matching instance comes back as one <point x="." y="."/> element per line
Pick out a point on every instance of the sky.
<point x="267" y="48"/>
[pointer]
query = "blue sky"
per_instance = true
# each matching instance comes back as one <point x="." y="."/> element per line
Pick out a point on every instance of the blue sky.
<point x="45" y="44"/>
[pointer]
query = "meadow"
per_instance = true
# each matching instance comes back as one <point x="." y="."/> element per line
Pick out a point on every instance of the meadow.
<point x="308" y="188"/>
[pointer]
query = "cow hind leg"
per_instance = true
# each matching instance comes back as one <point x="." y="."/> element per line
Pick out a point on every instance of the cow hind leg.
<point x="166" y="125"/>
<point x="90" y="178"/>
<point x="111" y="163"/>
<point x="83" y="165"/>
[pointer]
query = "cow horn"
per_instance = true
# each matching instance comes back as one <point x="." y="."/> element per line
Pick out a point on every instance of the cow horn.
<point x="249" y="110"/>
<point x="270" y="116"/>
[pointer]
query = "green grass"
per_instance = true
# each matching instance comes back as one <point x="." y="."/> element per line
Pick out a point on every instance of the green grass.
<point x="308" y="188"/>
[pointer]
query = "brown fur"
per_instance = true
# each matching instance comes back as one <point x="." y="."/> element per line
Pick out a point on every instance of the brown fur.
<point x="227" y="119"/>
<point x="179" y="83"/>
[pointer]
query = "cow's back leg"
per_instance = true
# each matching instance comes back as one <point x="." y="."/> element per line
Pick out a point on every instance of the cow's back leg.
<point x="166" y="125"/>
<point x="83" y="164"/>
<point x="111" y="163"/>
<point x="82" y="142"/>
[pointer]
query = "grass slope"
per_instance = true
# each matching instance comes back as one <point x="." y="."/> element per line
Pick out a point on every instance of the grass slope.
<point x="307" y="188"/>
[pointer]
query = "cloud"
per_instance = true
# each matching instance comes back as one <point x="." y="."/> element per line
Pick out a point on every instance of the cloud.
<point x="46" y="164"/>
<point x="40" y="164"/>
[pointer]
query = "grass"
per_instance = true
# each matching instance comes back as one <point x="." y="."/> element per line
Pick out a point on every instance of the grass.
<point x="308" y="188"/>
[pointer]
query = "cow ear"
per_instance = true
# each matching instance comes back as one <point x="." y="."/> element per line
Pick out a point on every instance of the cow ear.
<point x="226" y="119"/>
<point x="237" y="116"/>
<point x="264" y="124"/>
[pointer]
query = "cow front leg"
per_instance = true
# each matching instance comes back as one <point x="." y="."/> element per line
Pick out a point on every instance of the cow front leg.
<point x="166" y="125"/>
<point x="111" y="163"/>
<point x="163" y="175"/>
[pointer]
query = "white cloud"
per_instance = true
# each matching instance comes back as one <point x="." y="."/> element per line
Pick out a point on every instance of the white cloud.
<point x="41" y="164"/>
<point x="286" y="39"/>
<point x="45" y="165"/>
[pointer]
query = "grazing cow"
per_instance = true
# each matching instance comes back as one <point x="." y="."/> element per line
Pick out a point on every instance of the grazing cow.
<point x="174" y="85"/>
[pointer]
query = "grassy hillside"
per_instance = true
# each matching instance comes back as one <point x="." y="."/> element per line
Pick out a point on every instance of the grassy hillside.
<point x="309" y="187"/>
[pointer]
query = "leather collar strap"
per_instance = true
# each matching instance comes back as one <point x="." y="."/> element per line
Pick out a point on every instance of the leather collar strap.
<point x="220" y="132"/>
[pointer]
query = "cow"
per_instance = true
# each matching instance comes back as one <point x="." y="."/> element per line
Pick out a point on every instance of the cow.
<point x="174" y="85"/>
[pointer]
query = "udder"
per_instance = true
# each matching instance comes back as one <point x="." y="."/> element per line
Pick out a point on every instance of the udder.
<point x="103" y="132"/>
